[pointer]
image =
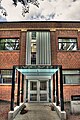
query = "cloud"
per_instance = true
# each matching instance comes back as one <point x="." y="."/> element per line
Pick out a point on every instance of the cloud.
<point x="49" y="10"/>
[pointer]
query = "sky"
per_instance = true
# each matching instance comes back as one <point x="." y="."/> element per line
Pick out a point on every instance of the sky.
<point x="48" y="10"/>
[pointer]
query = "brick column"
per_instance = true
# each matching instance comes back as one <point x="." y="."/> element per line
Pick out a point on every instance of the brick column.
<point x="23" y="47"/>
<point x="79" y="40"/>
<point x="53" y="47"/>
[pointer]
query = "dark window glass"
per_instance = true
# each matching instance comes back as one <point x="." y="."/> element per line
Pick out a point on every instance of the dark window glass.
<point x="33" y="58"/>
<point x="5" y="76"/>
<point x="9" y="44"/>
<point x="33" y="35"/>
<point x="67" y="44"/>
<point x="71" y="77"/>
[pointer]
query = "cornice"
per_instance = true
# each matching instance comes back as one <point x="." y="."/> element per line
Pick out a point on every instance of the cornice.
<point x="50" y="29"/>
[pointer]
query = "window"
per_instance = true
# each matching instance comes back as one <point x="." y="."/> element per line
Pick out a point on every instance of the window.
<point x="71" y="76"/>
<point x="67" y="44"/>
<point x="38" y="48"/>
<point x="5" y="76"/>
<point x="9" y="44"/>
<point x="33" y="48"/>
<point x="33" y="35"/>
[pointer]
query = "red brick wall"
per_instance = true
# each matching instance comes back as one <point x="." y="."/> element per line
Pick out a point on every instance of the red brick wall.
<point x="71" y="90"/>
<point x="69" y="60"/>
<point x="8" y="59"/>
<point x="23" y="48"/>
<point x="5" y="92"/>
<point x="9" y="34"/>
<point x="53" y="47"/>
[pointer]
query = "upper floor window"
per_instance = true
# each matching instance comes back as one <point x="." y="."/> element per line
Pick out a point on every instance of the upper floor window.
<point x="9" y="44"/>
<point x="67" y="44"/>
<point x="38" y="47"/>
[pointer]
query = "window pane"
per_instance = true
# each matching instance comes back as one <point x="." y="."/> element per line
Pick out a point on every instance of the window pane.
<point x="66" y="40"/>
<point x="43" y="97"/>
<point x="33" y="97"/>
<point x="5" y="76"/>
<point x="33" y="35"/>
<point x="9" y="44"/>
<point x="67" y="44"/>
<point x="43" y="85"/>
<point x="33" y="85"/>
<point x="71" y="77"/>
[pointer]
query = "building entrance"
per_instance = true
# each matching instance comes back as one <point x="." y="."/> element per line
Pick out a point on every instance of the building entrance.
<point x="38" y="91"/>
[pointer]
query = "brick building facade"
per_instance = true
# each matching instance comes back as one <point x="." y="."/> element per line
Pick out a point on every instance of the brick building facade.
<point x="68" y="57"/>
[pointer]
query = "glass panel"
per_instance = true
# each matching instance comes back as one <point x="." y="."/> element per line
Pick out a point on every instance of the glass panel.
<point x="5" y="76"/>
<point x="33" y="48"/>
<point x="71" y="79"/>
<point x="71" y="76"/>
<point x="43" y="97"/>
<point x="43" y="85"/>
<point x="9" y="44"/>
<point x="33" y="97"/>
<point x="33" y="35"/>
<point x="67" y="40"/>
<point x="33" y="85"/>
<point x="67" y="44"/>
<point x="33" y="58"/>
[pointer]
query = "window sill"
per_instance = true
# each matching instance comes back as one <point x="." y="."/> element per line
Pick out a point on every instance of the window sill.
<point x="9" y="50"/>
<point x="68" y="50"/>
<point x="71" y="84"/>
<point x="6" y="84"/>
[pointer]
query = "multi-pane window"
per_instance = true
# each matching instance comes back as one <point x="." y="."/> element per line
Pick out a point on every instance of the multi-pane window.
<point x="71" y="76"/>
<point x="38" y="48"/>
<point x="9" y="44"/>
<point x="33" y="48"/>
<point x="67" y="44"/>
<point x="5" y="76"/>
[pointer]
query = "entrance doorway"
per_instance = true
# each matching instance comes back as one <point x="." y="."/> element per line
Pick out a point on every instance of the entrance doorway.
<point x="38" y="91"/>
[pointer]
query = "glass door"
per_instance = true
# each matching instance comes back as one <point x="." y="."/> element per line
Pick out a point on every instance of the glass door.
<point x="38" y="91"/>
<point x="44" y="92"/>
<point x="33" y="91"/>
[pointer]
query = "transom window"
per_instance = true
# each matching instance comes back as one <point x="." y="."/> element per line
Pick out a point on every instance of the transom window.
<point x="67" y="44"/>
<point x="9" y="44"/>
